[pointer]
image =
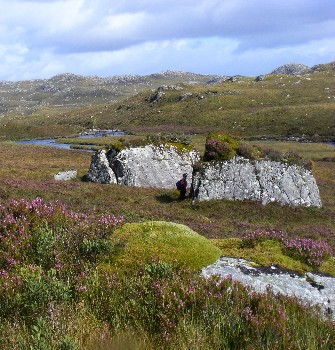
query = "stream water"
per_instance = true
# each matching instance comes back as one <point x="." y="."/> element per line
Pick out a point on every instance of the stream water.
<point x="53" y="142"/>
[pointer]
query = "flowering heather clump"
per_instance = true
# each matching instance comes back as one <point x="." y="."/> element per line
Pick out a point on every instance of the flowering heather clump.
<point x="252" y="238"/>
<point x="311" y="252"/>
<point x="172" y="304"/>
<point x="220" y="147"/>
<point x="38" y="239"/>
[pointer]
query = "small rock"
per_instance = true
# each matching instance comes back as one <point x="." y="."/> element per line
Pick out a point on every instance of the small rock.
<point x="66" y="175"/>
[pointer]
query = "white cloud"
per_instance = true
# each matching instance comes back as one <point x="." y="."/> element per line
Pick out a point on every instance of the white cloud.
<point x="145" y="36"/>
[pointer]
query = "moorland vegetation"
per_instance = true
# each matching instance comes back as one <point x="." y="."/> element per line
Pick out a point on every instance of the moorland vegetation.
<point x="74" y="269"/>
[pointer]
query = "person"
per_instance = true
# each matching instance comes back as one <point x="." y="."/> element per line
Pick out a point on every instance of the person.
<point x="183" y="186"/>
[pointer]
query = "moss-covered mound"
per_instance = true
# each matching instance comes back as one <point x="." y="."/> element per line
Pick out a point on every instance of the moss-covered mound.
<point x="170" y="242"/>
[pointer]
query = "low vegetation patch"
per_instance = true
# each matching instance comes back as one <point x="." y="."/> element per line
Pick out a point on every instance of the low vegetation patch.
<point x="271" y="247"/>
<point x="222" y="146"/>
<point x="170" y="242"/>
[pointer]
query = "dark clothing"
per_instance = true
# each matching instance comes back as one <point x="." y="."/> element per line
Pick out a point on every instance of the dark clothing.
<point x="183" y="188"/>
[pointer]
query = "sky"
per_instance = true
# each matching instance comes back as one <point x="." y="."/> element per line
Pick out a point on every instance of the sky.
<point x="43" y="38"/>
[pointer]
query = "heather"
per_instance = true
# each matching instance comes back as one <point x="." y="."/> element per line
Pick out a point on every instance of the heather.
<point x="61" y="292"/>
<point x="56" y="293"/>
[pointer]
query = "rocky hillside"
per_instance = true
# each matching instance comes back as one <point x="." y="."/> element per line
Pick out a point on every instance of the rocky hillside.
<point x="73" y="91"/>
<point x="281" y="104"/>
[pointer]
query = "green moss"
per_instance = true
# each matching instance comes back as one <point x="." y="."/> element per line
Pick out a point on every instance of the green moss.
<point x="265" y="253"/>
<point x="166" y="241"/>
<point x="180" y="147"/>
<point x="328" y="266"/>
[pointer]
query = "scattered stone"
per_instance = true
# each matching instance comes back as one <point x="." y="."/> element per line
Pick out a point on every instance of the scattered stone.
<point x="169" y="87"/>
<point x="184" y="96"/>
<point x="217" y="80"/>
<point x="157" y="97"/>
<point x="66" y="175"/>
<point x="260" y="78"/>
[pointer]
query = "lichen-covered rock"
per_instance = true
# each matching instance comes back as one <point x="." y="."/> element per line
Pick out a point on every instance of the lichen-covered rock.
<point x="152" y="166"/>
<point x="100" y="170"/>
<point x="265" y="181"/>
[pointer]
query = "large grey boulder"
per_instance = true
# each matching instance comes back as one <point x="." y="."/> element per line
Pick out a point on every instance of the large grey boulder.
<point x="149" y="166"/>
<point x="265" y="181"/>
<point x="309" y="288"/>
<point x="100" y="170"/>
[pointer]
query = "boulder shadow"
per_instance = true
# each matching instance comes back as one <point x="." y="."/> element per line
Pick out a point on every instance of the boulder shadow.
<point x="167" y="198"/>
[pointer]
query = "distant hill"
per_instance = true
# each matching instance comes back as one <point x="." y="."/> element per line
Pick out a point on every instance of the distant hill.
<point x="73" y="91"/>
<point x="281" y="104"/>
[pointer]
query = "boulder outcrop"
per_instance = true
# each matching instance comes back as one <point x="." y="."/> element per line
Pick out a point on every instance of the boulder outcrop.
<point x="237" y="179"/>
<point x="309" y="288"/>
<point x="148" y="166"/>
<point x="265" y="181"/>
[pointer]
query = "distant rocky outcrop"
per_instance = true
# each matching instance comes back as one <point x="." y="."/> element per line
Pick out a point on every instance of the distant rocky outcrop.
<point x="265" y="181"/>
<point x="291" y="68"/>
<point x="148" y="166"/>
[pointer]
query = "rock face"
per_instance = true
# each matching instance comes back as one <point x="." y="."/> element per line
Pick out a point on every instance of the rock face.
<point x="100" y="170"/>
<point x="265" y="181"/>
<point x="148" y="166"/>
<point x="237" y="179"/>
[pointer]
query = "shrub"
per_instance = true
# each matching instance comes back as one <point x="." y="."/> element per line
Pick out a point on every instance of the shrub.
<point x="47" y="252"/>
<point x="167" y="241"/>
<point x="220" y="147"/>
